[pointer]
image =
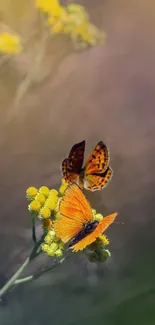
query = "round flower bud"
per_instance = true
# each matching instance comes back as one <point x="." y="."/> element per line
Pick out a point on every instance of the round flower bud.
<point x="51" y="202"/>
<point x="40" y="198"/>
<point x="34" y="206"/>
<point x="45" y="213"/>
<point x="31" y="192"/>
<point x="44" y="190"/>
<point x="98" y="216"/>
<point x="53" y="192"/>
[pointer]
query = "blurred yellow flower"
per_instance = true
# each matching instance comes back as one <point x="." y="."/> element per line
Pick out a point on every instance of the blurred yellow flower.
<point x="61" y="245"/>
<point x="44" y="190"/>
<point x="58" y="28"/>
<point x="44" y="213"/>
<point x="44" y="247"/>
<point x="77" y="9"/>
<point x="94" y="212"/>
<point x="53" y="192"/>
<point x="40" y="198"/>
<point x="98" y="216"/>
<point x="51" y="203"/>
<point x="10" y="43"/>
<point x="53" y="247"/>
<point x="31" y="192"/>
<point x="104" y="240"/>
<point x="48" y="240"/>
<point x="34" y="206"/>
<point x="52" y="20"/>
<point x="58" y="252"/>
<point x="50" y="6"/>
<point x="63" y="187"/>
<point x="50" y="236"/>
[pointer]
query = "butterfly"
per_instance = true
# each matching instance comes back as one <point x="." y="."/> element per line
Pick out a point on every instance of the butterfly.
<point x="75" y="222"/>
<point x="95" y="174"/>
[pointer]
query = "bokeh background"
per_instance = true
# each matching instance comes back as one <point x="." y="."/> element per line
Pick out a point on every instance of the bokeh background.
<point x="105" y="93"/>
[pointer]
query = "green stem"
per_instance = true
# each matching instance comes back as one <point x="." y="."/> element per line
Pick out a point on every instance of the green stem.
<point x="9" y="284"/>
<point x="34" y="230"/>
<point x="22" y="280"/>
<point x="35" y="252"/>
<point x="39" y="273"/>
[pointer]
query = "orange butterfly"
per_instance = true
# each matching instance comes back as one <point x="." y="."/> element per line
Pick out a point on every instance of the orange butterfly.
<point x="75" y="222"/>
<point x="96" y="173"/>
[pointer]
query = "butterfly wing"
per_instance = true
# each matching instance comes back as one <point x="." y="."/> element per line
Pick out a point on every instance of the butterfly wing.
<point x="98" y="161"/>
<point x="74" y="213"/>
<point x="72" y="165"/>
<point x="98" y="182"/>
<point x="101" y="227"/>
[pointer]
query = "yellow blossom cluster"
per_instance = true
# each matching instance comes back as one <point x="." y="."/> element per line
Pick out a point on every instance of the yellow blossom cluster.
<point x="10" y="43"/>
<point x="71" y="20"/>
<point x="43" y="201"/>
<point x="52" y="245"/>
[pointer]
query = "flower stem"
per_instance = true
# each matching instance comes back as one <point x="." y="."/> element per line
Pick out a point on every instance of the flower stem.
<point x="34" y="230"/>
<point x="35" y="252"/>
<point x="9" y="284"/>
<point x="39" y="273"/>
<point x="22" y="280"/>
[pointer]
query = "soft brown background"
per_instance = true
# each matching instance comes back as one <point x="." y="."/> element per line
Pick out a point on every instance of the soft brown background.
<point x="108" y="94"/>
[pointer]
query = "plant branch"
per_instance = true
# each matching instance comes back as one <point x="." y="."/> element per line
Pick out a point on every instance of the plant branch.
<point x="9" y="284"/>
<point x="35" y="252"/>
<point x="39" y="273"/>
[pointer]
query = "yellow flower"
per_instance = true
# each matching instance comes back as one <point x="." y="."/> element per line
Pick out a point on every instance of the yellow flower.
<point x="52" y="249"/>
<point x="58" y="252"/>
<point x="40" y="198"/>
<point x="104" y="240"/>
<point x="10" y="43"/>
<point x="44" y="247"/>
<point x="52" y="20"/>
<point x="50" y="6"/>
<point x="63" y="187"/>
<point x="94" y="212"/>
<point x="50" y="236"/>
<point x="31" y="192"/>
<point x="44" y="190"/>
<point x="51" y="203"/>
<point x="58" y="28"/>
<point x="63" y="18"/>
<point x="34" y="206"/>
<point x="45" y="213"/>
<point x="98" y="216"/>
<point x="74" y="8"/>
<point x="54" y="246"/>
<point x="53" y="192"/>
<point x="61" y="245"/>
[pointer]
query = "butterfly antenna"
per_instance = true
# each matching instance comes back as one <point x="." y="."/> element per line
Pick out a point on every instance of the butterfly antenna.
<point x="119" y="222"/>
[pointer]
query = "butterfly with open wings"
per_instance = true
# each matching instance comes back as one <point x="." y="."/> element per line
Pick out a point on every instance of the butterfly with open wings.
<point x="75" y="222"/>
<point x="95" y="174"/>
